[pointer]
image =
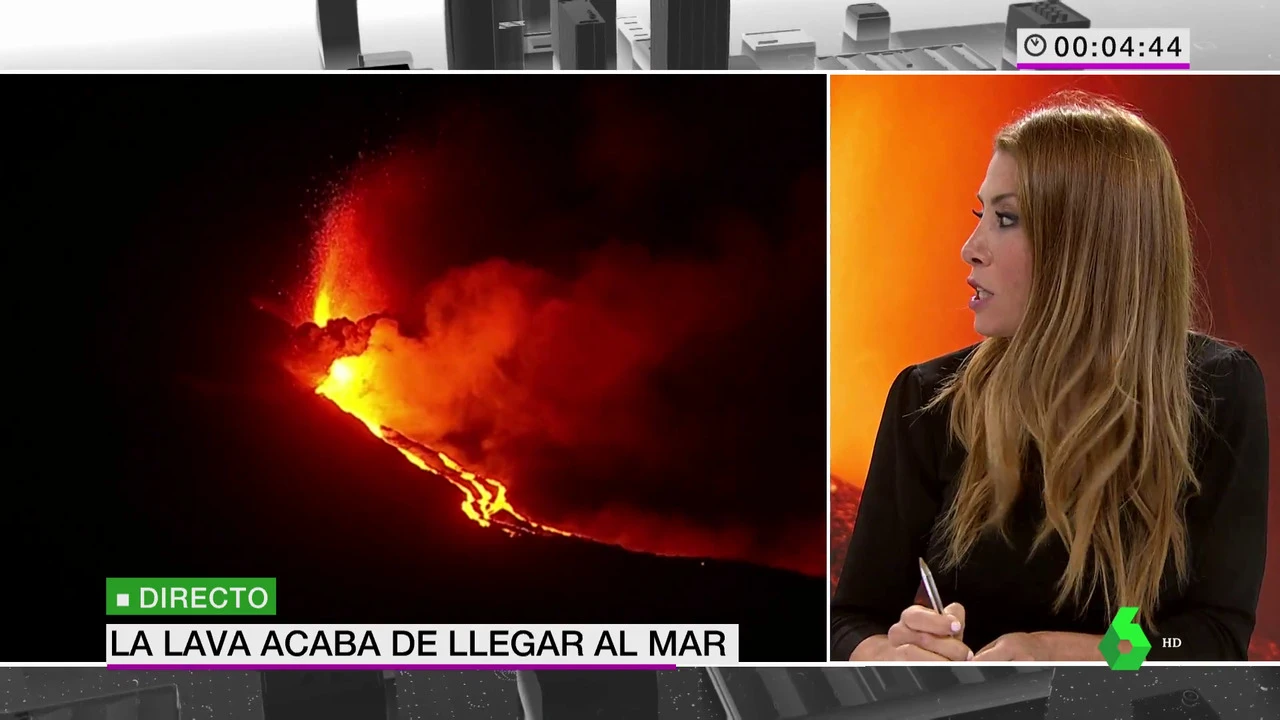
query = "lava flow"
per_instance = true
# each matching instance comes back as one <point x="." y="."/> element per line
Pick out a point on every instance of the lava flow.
<point x="485" y="499"/>
<point x="347" y="298"/>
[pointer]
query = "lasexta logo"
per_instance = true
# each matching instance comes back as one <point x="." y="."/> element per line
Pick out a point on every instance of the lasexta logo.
<point x="1122" y="629"/>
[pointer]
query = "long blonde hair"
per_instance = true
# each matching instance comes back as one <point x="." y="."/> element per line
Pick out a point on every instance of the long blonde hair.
<point x="1096" y="379"/>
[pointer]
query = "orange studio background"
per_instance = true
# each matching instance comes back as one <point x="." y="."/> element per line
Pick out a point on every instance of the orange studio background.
<point x="908" y="153"/>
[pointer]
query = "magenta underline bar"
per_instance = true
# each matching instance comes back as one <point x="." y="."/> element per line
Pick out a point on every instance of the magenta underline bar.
<point x="402" y="668"/>
<point x="1104" y="66"/>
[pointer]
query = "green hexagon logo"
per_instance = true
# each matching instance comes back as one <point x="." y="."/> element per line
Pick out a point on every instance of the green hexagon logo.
<point x="1124" y="628"/>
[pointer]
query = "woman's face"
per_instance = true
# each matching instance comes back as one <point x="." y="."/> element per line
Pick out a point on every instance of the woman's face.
<point x="998" y="253"/>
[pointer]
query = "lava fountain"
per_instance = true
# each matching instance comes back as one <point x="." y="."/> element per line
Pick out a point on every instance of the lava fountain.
<point x="346" y="296"/>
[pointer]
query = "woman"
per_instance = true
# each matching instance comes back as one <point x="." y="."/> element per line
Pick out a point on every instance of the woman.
<point x="1091" y="452"/>
<point x="588" y="694"/>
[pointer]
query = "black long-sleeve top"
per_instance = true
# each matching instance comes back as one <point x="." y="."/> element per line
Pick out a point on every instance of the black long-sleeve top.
<point x="912" y="479"/>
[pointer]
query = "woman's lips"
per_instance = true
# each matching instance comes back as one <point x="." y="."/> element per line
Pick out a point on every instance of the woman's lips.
<point x="980" y="296"/>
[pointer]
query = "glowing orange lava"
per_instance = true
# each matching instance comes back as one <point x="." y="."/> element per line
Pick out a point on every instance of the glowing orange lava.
<point x="344" y="282"/>
<point x="344" y="286"/>
<point x="485" y="499"/>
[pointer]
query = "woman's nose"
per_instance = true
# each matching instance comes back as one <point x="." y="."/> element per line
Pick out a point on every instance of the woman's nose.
<point x="971" y="252"/>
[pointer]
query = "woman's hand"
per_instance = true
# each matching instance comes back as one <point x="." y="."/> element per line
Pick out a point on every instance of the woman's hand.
<point x="920" y="635"/>
<point x="1014" y="647"/>
<point x="1042" y="647"/>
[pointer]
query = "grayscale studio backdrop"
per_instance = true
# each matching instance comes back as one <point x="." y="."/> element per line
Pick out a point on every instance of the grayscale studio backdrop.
<point x="281" y="35"/>
<point x="1092" y="693"/>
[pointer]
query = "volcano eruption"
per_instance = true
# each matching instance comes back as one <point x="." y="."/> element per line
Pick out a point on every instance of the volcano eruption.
<point x="555" y="402"/>
<point x="544" y="352"/>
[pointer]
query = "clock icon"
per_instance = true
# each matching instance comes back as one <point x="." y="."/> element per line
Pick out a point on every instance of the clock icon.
<point x="1035" y="45"/>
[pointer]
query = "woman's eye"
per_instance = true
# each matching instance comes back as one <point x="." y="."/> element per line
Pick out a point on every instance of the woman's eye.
<point x="1005" y="220"/>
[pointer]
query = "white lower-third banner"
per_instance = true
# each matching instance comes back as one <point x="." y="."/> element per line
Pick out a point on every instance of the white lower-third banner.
<point x="262" y="646"/>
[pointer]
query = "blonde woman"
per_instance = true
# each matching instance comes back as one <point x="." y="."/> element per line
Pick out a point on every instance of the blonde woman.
<point x="1091" y="453"/>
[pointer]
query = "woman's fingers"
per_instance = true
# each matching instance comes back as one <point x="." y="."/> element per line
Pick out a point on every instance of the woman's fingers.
<point x="938" y="634"/>
<point x="922" y="619"/>
<point x="915" y="653"/>
<point x="947" y="647"/>
<point x="956" y="610"/>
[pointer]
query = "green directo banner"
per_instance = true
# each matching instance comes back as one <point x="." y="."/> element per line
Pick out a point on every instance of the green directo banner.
<point x="191" y="596"/>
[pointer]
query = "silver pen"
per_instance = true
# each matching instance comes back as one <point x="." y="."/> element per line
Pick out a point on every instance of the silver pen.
<point x="930" y="587"/>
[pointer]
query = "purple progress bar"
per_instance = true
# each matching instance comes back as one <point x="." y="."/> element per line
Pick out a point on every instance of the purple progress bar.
<point x="402" y="667"/>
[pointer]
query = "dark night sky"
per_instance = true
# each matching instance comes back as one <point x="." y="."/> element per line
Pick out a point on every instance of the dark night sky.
<point x="144" y="213"/>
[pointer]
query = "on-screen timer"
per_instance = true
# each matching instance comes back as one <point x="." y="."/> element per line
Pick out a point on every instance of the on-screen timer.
<point x="1036" y="45"/>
